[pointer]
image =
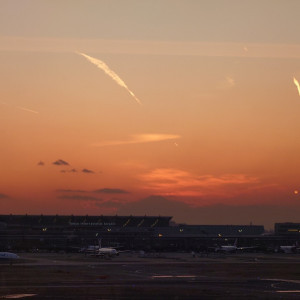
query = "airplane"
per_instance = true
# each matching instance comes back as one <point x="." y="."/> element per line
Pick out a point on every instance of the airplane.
<point x="289" y="249"/>
<point x="234" y="248"/>
<point x="228" y="249"/>
<point x="106" y="251"/>
<point x="91" y="249"/>
<point x="8" y="255"/>
<point x="98" y="250"/>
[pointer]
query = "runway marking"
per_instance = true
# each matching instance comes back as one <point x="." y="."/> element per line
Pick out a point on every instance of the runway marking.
<point x="17" y="296"/>
<point x="289" y="291"/>
<point x="174" y="276"/>
<point x="283" y="280"/>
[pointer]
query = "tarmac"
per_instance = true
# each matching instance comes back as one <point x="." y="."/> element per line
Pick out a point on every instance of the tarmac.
<point x="151" y="276"/>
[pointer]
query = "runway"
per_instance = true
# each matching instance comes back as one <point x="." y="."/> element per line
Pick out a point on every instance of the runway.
<point x="167" y="276"/>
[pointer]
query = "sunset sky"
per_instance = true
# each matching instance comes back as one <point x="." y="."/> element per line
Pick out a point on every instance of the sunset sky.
<point x="182" y="108"/>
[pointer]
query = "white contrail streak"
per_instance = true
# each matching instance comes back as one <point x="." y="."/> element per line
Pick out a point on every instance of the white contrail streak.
<point x="20" y="107"/>
<point x="103" y="66"/>
<point x="297" y="85"/>
<point x="26" y="109"/>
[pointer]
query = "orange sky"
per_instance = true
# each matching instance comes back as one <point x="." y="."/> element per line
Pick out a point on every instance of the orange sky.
<point x="218" y="122"/>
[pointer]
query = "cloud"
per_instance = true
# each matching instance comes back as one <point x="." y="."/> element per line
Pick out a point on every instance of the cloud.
<point x="60" y="162"/>
<point x="111" y="191"/>
<point x="87" y="171"/>
<point x="70" y="191"/>
<point x="227" y="83"/>
<point x="78" y="197"/>
<point x="99" y="191"/>
<point x="182" y="183"/>
<point x="40" y="163"/>
<point x="139" y="139"/>
<point x="109" y="203"/>
<point x="69" y="171"/>
<point x="4" y="196"/>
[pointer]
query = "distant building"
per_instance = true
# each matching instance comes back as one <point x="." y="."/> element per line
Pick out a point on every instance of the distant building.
<point x="212" y="230"/>
<point x="64" y="232"/>
<point x="57" y="221"/>
<point x="291" y="229"/>
<point x="55" y="232"/>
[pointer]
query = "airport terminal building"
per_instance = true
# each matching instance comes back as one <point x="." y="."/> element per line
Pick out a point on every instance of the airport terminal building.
<point x="55" y="232"/>
<point x="287" y="229"/>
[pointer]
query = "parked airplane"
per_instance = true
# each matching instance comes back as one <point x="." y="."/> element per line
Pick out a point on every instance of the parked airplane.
<point x="106" y="251"/>
<point x="227" y="248"/>
<point x="98" y="250"/>
<point x="91" y="249"/>
<point x="8" y="255"/>
<point x="289" y="249"/>
<point x="234" y="248"/>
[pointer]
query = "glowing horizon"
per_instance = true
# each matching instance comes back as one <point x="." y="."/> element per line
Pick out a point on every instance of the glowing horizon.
<point x="216" y="123"/>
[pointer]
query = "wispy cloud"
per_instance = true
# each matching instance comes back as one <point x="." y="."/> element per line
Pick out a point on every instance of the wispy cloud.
<point x="111" y="191"/>
<point x="110" y="203"/>
<point x="69" y="171"/>
<point x="71" y="191"/>
<point x="297" y="85"/>
<point x="182" y="183"/>
<point x="60" y="162"/>
<point x="103" y="66"/>
<point x="227" y="83"/>
<point x="87" y="171"/>
<point x="78" y="197"/>
<point x="138" y="139"/>
<point x="98" y="191"/>
<point x="3" y="196"/>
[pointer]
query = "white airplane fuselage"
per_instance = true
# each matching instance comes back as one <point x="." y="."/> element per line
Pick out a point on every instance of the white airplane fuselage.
<point x="108" y="252"/>
<point x="8" y="255"/>
<point x="228" y="248"/>
<point x="288" y="249"/>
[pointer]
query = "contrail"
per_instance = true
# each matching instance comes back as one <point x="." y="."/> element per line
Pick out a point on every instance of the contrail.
<point x="19" y="107"/>
<point x="103" y="66"/>
<point x="297" y="85"/>
<point x="26" y="109"/>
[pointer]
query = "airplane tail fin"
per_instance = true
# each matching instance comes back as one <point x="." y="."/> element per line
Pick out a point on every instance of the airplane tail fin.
<point x="235" y="242"/>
